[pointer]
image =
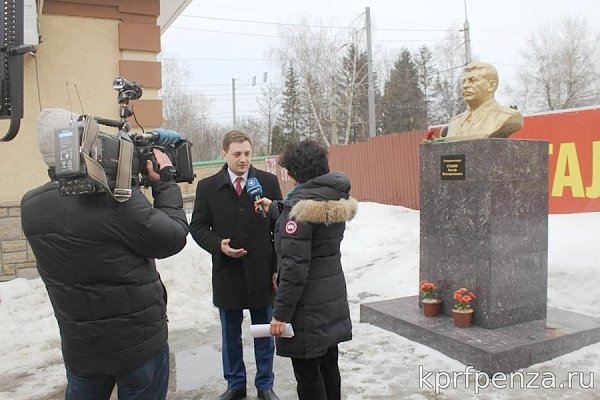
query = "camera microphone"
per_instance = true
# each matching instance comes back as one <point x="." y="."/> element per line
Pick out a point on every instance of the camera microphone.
<point x="255" y="190"/>
<point x="163" y="137"/>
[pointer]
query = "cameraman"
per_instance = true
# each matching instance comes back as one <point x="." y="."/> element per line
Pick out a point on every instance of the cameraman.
<point x="96" y="258"/>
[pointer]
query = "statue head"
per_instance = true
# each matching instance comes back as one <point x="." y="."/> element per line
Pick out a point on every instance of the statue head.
<point x="479" y="83"/>
<point x="485" y="118"/>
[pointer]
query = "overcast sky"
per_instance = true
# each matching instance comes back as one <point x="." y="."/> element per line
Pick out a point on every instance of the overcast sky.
<point x="231" y="38"/>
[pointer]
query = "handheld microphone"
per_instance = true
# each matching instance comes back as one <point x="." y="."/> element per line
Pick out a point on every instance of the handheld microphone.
<point x="255" y="190"/>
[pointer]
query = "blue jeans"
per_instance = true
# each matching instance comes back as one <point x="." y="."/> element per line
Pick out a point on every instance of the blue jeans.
<point x="234" y="369"/>
<point x="150" y="381"/>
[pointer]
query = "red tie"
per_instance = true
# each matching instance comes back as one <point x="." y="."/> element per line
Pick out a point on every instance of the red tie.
<point x="238" y="185"/>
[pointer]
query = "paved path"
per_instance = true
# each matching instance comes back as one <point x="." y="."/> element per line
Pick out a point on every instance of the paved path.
<point x="196" y="372"/>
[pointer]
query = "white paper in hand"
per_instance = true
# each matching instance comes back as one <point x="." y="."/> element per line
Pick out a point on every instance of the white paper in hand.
<point x="264" y="330"/>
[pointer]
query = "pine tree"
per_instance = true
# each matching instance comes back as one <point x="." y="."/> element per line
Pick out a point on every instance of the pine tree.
<point x="293" y="120"/>
<point x="403" y="100"/>
<point x="277" y="140"/>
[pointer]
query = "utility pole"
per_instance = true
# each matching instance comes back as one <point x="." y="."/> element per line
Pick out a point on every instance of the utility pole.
<point x="265" y="77"/>
<point x="370" y="80"/>
<point x="233" y="99"/>
<point x="467" y="33"/>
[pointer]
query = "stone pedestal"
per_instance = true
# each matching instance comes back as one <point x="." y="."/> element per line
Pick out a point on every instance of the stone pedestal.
<point x="490" y="350"/>
<point x="484" y="226"/>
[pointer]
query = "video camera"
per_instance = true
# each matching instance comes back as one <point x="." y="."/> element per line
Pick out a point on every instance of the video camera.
<point x="89" y="161"/>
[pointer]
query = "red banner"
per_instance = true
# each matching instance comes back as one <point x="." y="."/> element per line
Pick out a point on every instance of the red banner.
<point x="574" y="167"/>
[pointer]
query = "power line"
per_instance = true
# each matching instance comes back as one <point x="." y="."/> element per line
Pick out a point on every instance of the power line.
<point x="313" y="26"/>
<point x="213" y="95"/>
<point x="263" y="11"/>
<point x="294" y="37"/>
<point x="411" y="30"/>
<point x="213" y="59"/>
<point x="413" y="40"/>
<point x="217" y="84"/>
<point x="251" y="21"/>
<point x="310" y="26"/>
<point x="203" y="84"/>
<point x="227" y="32"/>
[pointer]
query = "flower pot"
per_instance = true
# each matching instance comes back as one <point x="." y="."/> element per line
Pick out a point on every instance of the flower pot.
<point x="431" y="307"/>
<point x="462" y="318"/>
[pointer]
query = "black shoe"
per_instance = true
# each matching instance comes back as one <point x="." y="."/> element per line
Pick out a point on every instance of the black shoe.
<point x="233" y="394"/>
<point x="267" y="395"/>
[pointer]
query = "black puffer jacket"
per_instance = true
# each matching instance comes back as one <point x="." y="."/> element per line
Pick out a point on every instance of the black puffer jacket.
<point x="312" y="288"/>
<point x="96" y="257"/>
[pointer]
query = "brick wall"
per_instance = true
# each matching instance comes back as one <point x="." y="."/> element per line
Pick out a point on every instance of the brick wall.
<point x="16" y="258"/>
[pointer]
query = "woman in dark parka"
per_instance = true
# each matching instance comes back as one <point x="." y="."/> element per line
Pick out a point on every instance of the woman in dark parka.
<point x="311" y="294"/>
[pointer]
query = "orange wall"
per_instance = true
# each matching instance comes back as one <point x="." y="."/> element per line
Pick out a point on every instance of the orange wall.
<point x="384" y="169"/>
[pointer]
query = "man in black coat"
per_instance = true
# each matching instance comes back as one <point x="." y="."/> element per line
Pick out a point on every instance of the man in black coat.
<point x="225" y="224"/>
<point x="96" y="258"/>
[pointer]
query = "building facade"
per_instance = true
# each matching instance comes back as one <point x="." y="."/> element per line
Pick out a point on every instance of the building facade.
<point x="84" y="45"/>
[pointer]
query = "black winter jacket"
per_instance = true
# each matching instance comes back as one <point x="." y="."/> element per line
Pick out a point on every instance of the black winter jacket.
<point x="96" y="258"/>
<point x="312" y="289"/>
<point x="219" y="213"/>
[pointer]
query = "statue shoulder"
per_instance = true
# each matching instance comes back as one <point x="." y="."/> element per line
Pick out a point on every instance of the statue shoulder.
<point x="508" y="121"/>
<point x="506" y="110"/>
<point x="458" y="117"/>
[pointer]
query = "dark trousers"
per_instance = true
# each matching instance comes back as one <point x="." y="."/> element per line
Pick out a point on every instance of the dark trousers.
<point x="318" y="378"/>
<point x="234" y="369"/>
<point x="149" y="381"/>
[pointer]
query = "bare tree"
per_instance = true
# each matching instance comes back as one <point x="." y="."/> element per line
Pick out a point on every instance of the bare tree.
<point x="446" y="97"/>
<point x="256" y="129"/>
<point x="184" y="111"/>
<point x="354" y="94"/>
<point x="561" y="67"/>
<point x="316" y="56"/>
<point x="427" y="75"/>
<point x="269" y="105"/>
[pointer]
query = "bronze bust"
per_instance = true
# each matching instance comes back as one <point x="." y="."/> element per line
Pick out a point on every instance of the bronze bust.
<point x="484" y="118"/>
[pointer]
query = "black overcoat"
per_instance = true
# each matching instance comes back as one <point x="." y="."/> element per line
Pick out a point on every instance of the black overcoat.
<point x="219" y="213"/>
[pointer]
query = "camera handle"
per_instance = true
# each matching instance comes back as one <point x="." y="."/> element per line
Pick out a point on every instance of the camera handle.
<point x="122" y="190"/>
<point x="125" y="111"/>
<point x="120" y="125"/>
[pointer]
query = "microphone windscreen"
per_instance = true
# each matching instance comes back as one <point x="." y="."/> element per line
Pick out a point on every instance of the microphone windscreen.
<point x="253" y="187"/>
<point x="165" y="137"/>
<point x="49" y="120"/>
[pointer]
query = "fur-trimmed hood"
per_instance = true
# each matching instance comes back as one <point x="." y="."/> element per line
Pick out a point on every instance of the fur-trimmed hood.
<point x="324" y="212"/>
<point x="323" y="200"/>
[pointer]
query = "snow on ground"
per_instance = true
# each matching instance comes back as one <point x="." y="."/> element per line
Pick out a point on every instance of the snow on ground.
<point x="380" y="257"/>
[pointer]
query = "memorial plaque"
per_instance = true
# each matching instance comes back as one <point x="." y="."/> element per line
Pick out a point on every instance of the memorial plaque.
<point x="453" y="167"/>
